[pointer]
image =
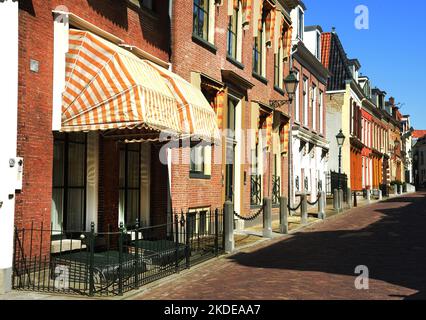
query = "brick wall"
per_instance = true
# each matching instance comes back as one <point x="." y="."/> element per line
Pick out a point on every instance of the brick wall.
<point x="146" y="30"/>
<point x="189" y="56"/>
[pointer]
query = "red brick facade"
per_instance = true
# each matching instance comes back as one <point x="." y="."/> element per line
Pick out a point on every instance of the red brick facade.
<point x="140" y="27"/>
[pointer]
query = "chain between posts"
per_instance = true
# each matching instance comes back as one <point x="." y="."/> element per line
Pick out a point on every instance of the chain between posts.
<point x="252" y="217"/>
<point x="294" y="209"/>
<point x="315" y="202"/>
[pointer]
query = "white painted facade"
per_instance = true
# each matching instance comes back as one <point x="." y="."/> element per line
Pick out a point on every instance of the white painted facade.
<point x="310" y="164"/>
<point x="8" y="130"/>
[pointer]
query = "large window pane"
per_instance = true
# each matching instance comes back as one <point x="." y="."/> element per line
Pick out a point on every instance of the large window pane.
<point x="75" y="209"/>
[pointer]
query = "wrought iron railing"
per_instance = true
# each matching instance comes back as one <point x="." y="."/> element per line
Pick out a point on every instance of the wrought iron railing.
<point x="336" y="181"/>
<point x="276" y="189"/>
<point x="256" y="190"/>
<point x="112" y="263"/>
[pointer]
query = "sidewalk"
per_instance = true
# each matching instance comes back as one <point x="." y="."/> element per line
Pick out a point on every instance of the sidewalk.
<point x="247" y="240"/>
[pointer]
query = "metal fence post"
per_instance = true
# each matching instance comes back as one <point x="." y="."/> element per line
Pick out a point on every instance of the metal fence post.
<point x="216" y="232"/>
<point x="283" y="215"/>
<point x="349" y="197"/>
<point x="304" y="209"/>
<point x="176" y="243"/>
<point x="321" y="205"/>
<point x="187" y="241"/>
<point x="136" y="285"/>
<point x="336" y="199"/>
<point x="120" y="260"/>
<point x="340" y="199"/>
<point x="267" y="218"/>
<point x="91" y="260"/>
<point x="229" y="226"/>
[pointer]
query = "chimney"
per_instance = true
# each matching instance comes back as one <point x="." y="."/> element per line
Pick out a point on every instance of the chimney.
<point x="333" y="30"/>
<point x="392" y="101"/>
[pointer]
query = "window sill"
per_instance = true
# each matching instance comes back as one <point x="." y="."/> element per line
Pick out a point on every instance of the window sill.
<point x="204" y="43"/>
<point x="199" y="175"/>
<point x="260" y="78"/>
<point x="235" y="62"/>
<point x="255" y="206"/>
<point x="279" y="90"/>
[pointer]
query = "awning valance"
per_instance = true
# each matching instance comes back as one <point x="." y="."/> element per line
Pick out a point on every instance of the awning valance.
<point x="108" y="87"/>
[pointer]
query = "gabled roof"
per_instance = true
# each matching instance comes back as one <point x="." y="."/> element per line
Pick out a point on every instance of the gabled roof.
<point x="418" y="134"/>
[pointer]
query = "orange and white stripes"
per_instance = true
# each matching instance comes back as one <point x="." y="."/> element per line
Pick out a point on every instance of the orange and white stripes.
<point x="107" y="87"/>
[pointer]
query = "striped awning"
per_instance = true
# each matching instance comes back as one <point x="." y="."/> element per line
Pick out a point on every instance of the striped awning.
<point x="108" y="87"/>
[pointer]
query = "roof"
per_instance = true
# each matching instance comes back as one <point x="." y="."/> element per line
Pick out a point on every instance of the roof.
<point x="419" y="134"/>
<point x="325" y="49"/>
<point x="313" y="28"/>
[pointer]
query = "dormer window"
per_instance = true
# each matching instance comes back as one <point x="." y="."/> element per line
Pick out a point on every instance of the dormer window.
<point x="300" y="23"/>
<point x="318" y="46"/>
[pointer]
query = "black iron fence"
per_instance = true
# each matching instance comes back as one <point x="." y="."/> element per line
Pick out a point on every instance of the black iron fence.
<point x="112" y="263"/>
<point x="256" y="190"/>
<point x="276" y="189"/>
<point x="336" y="181"/>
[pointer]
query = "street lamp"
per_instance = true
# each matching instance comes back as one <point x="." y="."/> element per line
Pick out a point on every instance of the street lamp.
<point x="340" y="137"/>
<point x="290" y="82"/>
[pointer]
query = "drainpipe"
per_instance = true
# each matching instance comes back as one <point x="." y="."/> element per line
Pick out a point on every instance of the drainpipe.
<point x="8" y="131"/>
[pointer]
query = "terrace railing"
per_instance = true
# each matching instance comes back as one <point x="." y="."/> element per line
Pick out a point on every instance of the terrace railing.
<point x="112" y="263"/>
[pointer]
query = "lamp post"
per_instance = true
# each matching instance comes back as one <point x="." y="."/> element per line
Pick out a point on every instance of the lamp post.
<point x="290" y="82"/>
<point x="340" y="137"/>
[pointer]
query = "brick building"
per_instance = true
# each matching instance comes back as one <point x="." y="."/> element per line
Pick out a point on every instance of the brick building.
<point x="100" y="82"/>
<point x="93" y="77"/>
<point x="309" y="144"/>
<point x="237" y="53"/>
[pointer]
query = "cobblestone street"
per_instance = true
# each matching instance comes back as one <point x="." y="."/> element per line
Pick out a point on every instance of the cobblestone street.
<point x="319" y="262"/>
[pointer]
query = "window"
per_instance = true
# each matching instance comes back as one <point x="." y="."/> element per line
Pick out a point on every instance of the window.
<point x="300" y="25"/>
<point x="277" y="69"/>
<point x="321" y="111"/>
<point x="297" y="102"/>
<point x="129" y="183"/>
<point x="201" y="19"/>
<point x="318" y="47"/>
<point x="68" y="210"/>
<point x="314" y="107"/>
<point x="197" y="159"/>
<point x="305" y="102"/>
<point x="200" y="162"/>
<point x="233" y="35"/>
<point x="143" y="3"/>
<point x="257" y="53"/>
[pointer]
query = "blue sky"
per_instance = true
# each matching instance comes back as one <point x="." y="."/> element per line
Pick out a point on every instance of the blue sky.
<point x="392" y="51"/>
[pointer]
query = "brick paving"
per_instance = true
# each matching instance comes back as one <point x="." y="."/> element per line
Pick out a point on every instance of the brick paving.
<point x="319" y="262"/>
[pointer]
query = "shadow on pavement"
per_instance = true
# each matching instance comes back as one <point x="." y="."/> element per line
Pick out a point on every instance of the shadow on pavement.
<point x="393" y="248"/>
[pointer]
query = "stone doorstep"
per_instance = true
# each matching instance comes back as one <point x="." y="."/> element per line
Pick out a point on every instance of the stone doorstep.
<point x="154" y="284"/>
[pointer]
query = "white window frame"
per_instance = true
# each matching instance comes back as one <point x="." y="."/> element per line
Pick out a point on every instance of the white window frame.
<point x="305" y="101"/>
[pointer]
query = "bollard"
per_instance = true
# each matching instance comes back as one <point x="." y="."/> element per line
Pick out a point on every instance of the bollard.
<point x="283" y="215"/>
<point x="336" y="199"/>
<point x="341" y="200"/>
<point x="395" y="190"/>
<point x="380" y="195"/>
<point x="355" y="202"/>
<point x="368" y="195"/>
<point x="229" y="226"/>
<point x="349" y="198"/>
<point x="304" y="209"/>
<point x="267" y="218"/>
<point x="321" y="205"/>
